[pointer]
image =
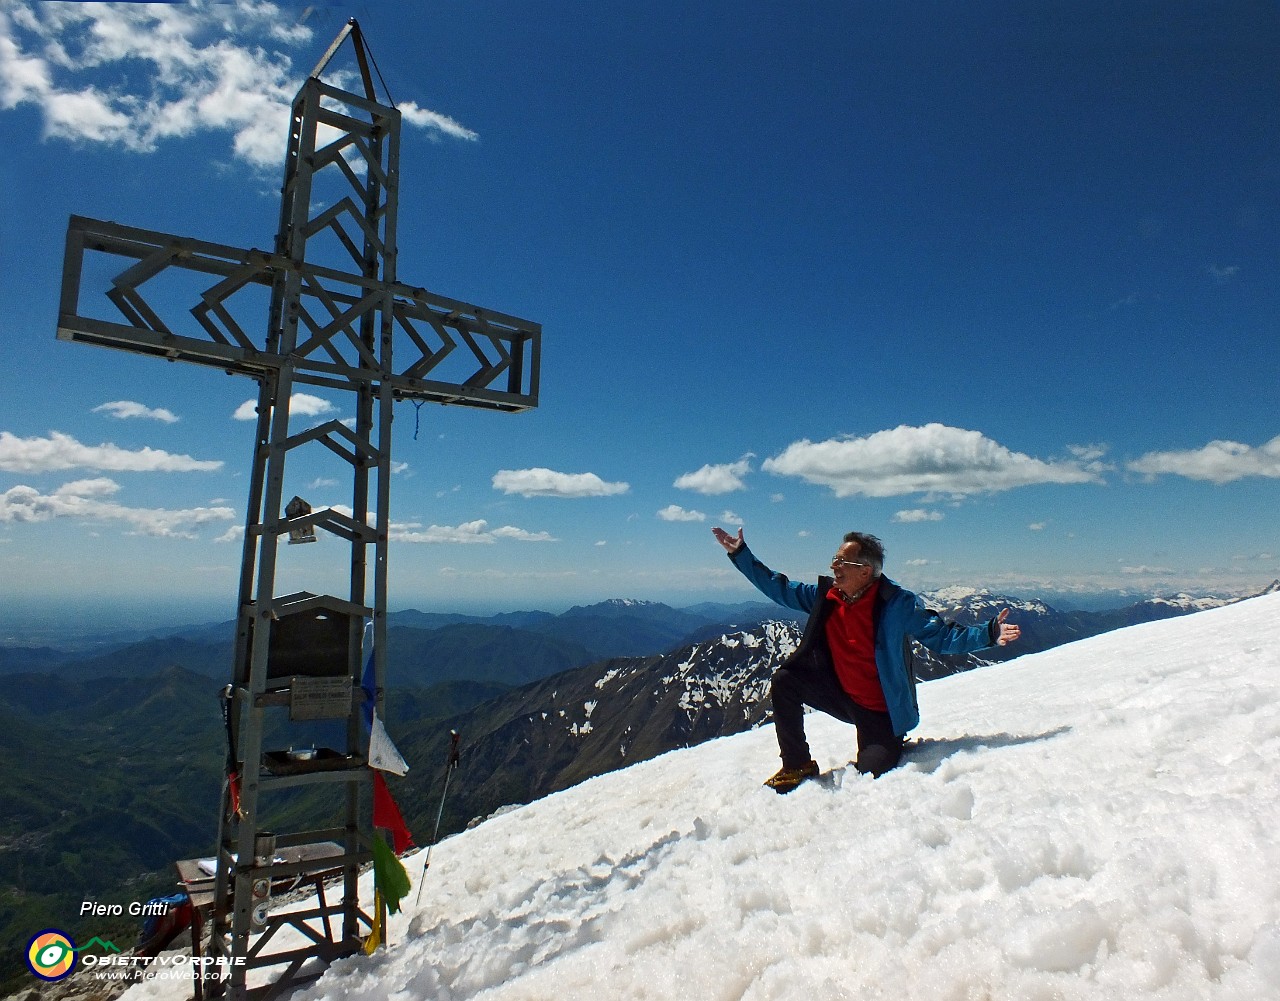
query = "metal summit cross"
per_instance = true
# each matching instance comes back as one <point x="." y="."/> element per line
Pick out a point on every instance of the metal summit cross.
<point x="299" y="657"/>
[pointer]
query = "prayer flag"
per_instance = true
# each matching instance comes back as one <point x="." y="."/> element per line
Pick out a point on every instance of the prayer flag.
<point x="389" y="874"/>
<point x="383" y="754"/>
<point x="387" y="815"/>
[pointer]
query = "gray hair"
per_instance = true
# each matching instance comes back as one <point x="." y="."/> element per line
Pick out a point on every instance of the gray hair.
<point x="870" y="548"/>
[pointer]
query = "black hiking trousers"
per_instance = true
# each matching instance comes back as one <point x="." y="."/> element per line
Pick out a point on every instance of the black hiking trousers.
<point x="811" y="681"/>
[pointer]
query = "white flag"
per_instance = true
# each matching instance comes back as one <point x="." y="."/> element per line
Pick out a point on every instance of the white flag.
<point x="382" y="753"/>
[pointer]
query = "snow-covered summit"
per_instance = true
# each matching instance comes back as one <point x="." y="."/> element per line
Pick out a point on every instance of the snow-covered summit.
<point x="1091" y="823"/>
<point x="981" y="600"/>
<point x="614" y="605"/>
<point x="1184" y="602"/>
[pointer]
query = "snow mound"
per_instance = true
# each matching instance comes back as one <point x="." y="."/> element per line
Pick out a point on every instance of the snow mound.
<point x="1093" y="822"/>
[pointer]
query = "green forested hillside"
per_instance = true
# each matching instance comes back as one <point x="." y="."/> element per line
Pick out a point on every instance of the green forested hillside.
<point x="107" y="783"/>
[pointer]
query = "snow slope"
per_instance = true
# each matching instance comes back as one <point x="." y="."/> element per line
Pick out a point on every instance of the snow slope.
<point x="1098" y="821"/>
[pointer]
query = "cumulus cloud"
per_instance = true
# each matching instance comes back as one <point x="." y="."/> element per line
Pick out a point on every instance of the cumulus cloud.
<point x="915" y="515"/>
<point x="471" y="532"/>
<point x="730" y="518"/>
<point x="136" y="74"/>
<point x="674" y="512"/>
<point x="1218" y="462"/>
<point x="61" y="451"/>
<point x="716" y="479"/>
<point x="930" y="459"/>
<point x="86" y="500"/>
<point x="541" y="482"/>
<point x="126" y="409"/>
<point x="300" y="405"/>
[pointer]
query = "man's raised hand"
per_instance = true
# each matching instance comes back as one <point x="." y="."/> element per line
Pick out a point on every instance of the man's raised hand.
<point x="1009" y="631"/>
<point x="731" y="543"/>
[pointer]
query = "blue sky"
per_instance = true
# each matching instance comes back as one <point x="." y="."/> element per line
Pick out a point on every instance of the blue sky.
<point x="998" y="282"/>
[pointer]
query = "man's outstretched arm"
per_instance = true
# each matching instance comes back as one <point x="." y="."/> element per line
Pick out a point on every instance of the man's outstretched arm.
<point x="774" y="586"/>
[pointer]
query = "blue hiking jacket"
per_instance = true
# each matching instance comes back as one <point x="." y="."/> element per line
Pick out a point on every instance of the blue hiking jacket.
<point x="897" y="616"/>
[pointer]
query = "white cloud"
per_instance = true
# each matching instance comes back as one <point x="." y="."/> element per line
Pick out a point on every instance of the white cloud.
<point x="1218" y="462"/>
<point x="1037" y="526"/>
<point x="716" y="479"/>
<point x="415" y="115"/>
<point x="917" y="515"/>
<point x="136" y="74"/>
<point x="540" y="482"/>
<point x="933" y="458"/>
<point x="60" y="451"/>
<point x="1088" y="453"/>
<point x="300" y="405"/>
<point x="125" y="409"/>
<point x="918" y="563"/>
<point x="85" y="500"/>
<point x="674" y="512"/>
<point x="730" y="518"/>
<point x="470" y="532"/>
<point x="1223" y="274"/>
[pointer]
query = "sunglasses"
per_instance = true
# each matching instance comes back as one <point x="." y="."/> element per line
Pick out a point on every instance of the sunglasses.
<point x="838" y="562"/>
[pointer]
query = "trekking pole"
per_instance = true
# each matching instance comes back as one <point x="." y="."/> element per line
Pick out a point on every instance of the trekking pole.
<point x="448" y="771"/>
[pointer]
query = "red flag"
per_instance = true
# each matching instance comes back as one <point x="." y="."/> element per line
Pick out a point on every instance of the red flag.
<point x="387" y="815"/>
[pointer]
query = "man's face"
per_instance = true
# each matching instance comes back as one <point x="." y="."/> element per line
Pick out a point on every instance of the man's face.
<point x="851" y="573"/>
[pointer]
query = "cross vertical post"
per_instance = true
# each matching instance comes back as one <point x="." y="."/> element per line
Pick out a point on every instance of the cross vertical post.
<point x="338" y="318"/>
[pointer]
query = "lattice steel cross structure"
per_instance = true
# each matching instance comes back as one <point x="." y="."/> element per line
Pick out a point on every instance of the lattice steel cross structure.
<point x="354" y="327"/>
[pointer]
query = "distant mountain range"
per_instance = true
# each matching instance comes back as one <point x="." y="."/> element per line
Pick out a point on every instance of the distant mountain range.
<point x="1044" y="626"/>
<point x="426" y="648"/>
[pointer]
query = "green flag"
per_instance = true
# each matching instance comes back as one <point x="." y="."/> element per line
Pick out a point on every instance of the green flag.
<point x="389" y="875"/>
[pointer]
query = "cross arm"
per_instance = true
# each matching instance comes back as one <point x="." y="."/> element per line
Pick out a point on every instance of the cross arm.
<point x="414" y="352"/>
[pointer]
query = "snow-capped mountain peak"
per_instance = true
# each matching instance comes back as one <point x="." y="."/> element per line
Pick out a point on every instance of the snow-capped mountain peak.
<point x="981" y="601"/>
<point x="1188" y="603"/>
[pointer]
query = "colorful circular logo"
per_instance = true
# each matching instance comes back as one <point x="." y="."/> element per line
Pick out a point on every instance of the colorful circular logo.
<point x="51" y="955"/>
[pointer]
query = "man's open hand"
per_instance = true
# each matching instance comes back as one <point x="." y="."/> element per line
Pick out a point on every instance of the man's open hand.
<point x="1009" y="631"/>
<point x="731" y="543"/>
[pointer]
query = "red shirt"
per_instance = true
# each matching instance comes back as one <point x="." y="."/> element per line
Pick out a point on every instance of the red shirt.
<point x="851" y="639"/>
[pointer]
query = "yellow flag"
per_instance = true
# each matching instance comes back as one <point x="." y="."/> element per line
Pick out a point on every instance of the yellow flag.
<point x="375" y="937"/>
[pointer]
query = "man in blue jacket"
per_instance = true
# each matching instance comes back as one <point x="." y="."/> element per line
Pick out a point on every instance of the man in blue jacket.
<point x="853" y="659"/>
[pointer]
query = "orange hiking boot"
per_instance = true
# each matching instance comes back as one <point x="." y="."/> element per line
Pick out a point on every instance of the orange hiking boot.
<point x="786" y="779"/>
